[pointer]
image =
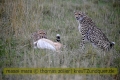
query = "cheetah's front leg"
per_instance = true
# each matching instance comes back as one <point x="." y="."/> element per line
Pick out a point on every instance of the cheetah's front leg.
<point x="82" y="43"/>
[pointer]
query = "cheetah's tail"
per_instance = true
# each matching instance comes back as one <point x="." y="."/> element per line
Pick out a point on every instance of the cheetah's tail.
<point x="58" y="38"/>
<point x="112" y="44"/>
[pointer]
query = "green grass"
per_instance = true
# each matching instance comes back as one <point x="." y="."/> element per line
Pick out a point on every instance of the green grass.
<point x="20" y="18"/>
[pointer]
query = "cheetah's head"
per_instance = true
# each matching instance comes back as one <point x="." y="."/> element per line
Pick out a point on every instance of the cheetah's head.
<point x="79" y="15"/>
<point x="42" y="33"/>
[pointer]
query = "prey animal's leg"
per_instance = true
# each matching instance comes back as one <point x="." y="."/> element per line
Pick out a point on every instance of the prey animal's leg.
<point x="35" y="45"/>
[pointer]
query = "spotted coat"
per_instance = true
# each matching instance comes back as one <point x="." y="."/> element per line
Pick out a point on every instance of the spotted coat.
<point x="91" y="33"/>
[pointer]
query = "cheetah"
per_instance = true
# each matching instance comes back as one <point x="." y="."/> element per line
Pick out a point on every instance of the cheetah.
<point x="91" y="33"/>
<point x="38" y="35"/>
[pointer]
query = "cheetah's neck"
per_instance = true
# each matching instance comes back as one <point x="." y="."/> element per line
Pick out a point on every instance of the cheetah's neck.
<point x="79" y="27"/>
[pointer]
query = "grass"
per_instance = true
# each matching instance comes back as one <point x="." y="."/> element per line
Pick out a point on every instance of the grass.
<point x="20" y="18"/>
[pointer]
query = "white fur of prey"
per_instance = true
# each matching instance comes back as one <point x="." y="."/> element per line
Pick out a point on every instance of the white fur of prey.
<point x="47" y="44"/>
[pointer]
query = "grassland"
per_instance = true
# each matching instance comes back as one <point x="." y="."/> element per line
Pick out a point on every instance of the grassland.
<point x="20" y="18"/>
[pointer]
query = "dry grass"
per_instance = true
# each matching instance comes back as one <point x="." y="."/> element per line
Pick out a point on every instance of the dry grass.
<point x="20" y="18"/>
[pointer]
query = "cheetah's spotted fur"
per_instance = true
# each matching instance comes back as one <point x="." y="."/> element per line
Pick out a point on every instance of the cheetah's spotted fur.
<point x="38" y="35"/>
<point x="91" y="33"/>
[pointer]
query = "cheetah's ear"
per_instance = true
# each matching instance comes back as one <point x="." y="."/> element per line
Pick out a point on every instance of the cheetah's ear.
<point x="85" y="13"/>
<point x="75" y="11"/>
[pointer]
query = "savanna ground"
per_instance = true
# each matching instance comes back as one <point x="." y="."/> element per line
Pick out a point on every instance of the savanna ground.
<point x="20" y="18"/>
